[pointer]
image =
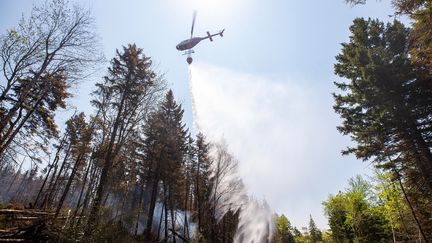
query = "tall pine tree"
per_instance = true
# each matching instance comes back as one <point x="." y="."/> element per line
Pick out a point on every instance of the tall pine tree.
<point x="121" y="101"/>
<point x="164" y="149"/>
<point x="314" y="232"/>
<point x="386" y="107"/>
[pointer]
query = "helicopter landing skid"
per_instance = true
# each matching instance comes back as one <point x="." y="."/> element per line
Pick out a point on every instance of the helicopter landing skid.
<point x="188" y="52"/>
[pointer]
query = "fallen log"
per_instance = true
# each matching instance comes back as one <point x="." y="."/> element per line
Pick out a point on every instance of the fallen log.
<point x="2" y="231"/>
<point x="21" y="211"/>
<point x="26" y="218"/>
<point x="178" y="235"/>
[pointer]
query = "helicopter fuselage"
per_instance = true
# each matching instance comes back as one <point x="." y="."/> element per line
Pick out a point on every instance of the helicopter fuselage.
<point x="189" y="43"/>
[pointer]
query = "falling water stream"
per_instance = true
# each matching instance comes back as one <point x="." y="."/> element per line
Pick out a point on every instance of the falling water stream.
<point x="256" y="218"/>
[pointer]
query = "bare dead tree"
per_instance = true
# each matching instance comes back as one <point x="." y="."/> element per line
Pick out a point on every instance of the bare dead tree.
<point x="40" y="59"/>
<point x="226" y="182"/>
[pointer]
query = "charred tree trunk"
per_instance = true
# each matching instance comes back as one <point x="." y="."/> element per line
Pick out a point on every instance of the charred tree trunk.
<point x="173" y="214"/>
<point x="106" y="169"/>
<point x="54" y="182"/>
<point x="54" y="164"/>
<point x="152" y="206"/>
<point x="69" y="183"/>
<point x="185" y="220"/>
<point x="153" y="198"/>
<point x="124" y="200"/>
<point x="78" y="205"/>
<point x="139" y="208"/>
<point x="198" y="198"/>
<point x="89" y="192"/>
<point x="166" y="214"/>
<point x="5" y="143"/>
<point x="163" y="210"/>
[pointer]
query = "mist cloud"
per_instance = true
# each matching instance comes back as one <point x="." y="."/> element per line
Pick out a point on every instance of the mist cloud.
<point x="283" y="133"/>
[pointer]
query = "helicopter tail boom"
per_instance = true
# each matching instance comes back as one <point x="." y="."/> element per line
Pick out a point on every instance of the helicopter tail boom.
<point x="210" y="36"/>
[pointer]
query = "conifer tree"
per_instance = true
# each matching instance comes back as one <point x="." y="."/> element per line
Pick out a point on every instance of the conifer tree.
<point x="386" y="106"/>
<point x="284" y="230"/>
<point x="164" y="151"/>
<point x="122" y="101"/>
<point x="80" y="149"/>
<point x="420" y="37"/>
<point x="203" y="185"/>
<point x="314" y="232"/>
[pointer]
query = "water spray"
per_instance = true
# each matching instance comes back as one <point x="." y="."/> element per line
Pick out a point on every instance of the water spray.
<point x="194" y="110"/>
<point x="256" y="218"/>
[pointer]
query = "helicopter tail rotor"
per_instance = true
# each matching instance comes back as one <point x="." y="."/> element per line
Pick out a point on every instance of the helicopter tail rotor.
<point x="221" y="33"/>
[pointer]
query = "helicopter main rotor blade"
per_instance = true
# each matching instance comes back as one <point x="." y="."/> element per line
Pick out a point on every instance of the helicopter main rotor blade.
<point x="193" y="22"/>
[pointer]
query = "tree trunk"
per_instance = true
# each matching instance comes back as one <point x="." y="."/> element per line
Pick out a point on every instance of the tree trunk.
<point x="173" y="215"/>
<point x="411" y="207"/>
<point x="90" y="188"/>
<point x="125" y="197"/>
<point x="163" y="210"/>
<point x="105" y="171"/>
<point x="185" y="220"/>
<point x="53" y="184"/>
<point x="6" y="143"/>
<point x="69" y="183"/>
<point x="198" y="198"/>
<point x="78" y="205"/>
<point x="152" y="206"/>
<point x="166" y="214"/>
<point x="54" y="164"/>
<point x="46" y="62"/>
<point x="139" y="208"/>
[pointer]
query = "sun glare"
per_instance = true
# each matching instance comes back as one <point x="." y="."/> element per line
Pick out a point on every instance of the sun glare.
<point x="210" y="5"/>
<point x="212" y="8"/>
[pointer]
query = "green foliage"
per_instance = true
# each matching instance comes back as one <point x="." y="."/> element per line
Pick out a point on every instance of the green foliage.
<point x="375" y="61"/>
<point x="284" y="230"/>
<point x="355" y="215"/>
<point x="420" y="12"/>
<point x="385" y="108"/>
<point x="314" y="232"/>
<point x="296" y="232"/>
<point x="421" y="35"/>
<point x="391" y="198"/>
<point x="336" y="211"/>
<point x="327" y="237"/>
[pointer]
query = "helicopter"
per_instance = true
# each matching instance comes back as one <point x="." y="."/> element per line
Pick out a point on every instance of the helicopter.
<point x="190" y="43"/>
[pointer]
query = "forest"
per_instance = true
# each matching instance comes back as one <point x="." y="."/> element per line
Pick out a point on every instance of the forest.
<point x="132" y="171"/>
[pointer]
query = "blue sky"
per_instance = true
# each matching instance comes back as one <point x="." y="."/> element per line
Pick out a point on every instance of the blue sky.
<point x="265" y="87"/>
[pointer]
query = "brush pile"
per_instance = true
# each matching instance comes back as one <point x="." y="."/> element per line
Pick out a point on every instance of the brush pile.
<point x="20" y="224"/>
